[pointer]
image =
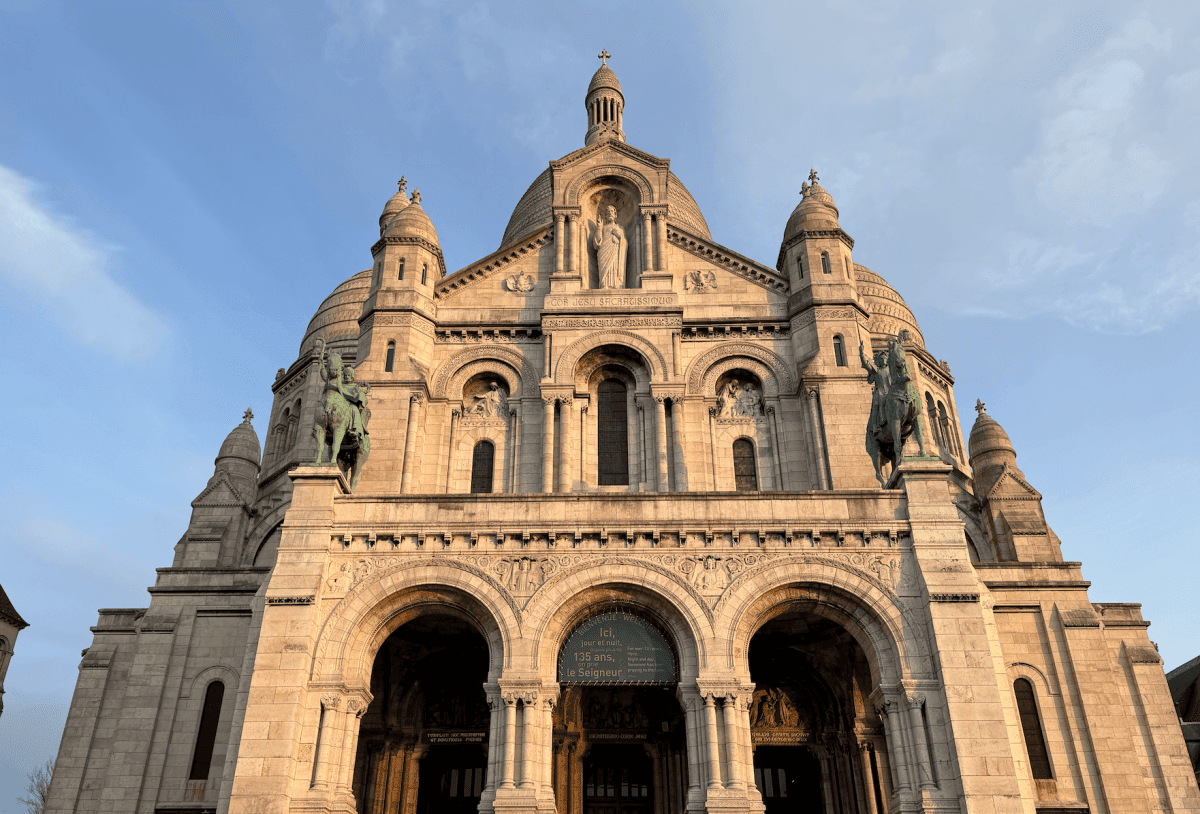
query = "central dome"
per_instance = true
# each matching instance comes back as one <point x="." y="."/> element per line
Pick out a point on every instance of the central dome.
<point x="533" y="210"/>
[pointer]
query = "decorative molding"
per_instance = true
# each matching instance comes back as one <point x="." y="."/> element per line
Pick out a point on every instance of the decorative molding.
<point x="584" y="181"/>
<point x="519" y="283"/>
<point x="1141" y="654"/>
<point x="291" y="600"/>
<point x="513" y="359"/>
<point x="486" y="267"/>
<point x="412" y="240"/>
<point x="563" y="323"/>
<point x="954" y="597"/>
<point x="564" y="371"/>
<point x="711" y="364"/>
<point x="700" y="281"/>
<point x="1079" y="617"/>
<point x="476" y="335"/>
<point x="726" y="333"/>
<point x="730" y="261"/>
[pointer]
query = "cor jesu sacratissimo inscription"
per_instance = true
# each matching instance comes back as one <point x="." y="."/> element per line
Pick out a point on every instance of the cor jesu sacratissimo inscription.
<point x="616" y="648"/>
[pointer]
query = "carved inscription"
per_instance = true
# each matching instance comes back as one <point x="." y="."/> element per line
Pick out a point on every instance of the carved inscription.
<point x="616" y="648"/>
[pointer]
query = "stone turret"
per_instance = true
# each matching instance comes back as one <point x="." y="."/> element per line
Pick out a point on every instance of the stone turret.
<point x="605" y="105"/>
<point x="408" y="265"/>
<point x="221" y="513"/>
<point x="1010" y="507"/>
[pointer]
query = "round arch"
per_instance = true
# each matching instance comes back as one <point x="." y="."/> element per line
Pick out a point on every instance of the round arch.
<point x="656" y="364"/>
<point x="506" y="363"/>
<point x="588" y="368"/>
<point x="703" y="373"/>
<point x="378" y="605"/>
<point x="868" y="610"/>
<point x="586" y="180"/>
<point x="563" y="601"/>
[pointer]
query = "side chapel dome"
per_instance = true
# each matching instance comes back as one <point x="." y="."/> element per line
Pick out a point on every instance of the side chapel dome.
<point x="394" y="206"/>
<point x="413" y="222"/>
<point x="337" y="317"/>
<point x="890" y="314"/>
<point x="815" y="212"/>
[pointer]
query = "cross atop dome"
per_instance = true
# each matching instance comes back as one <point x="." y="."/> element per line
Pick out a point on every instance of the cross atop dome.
<point x="604" y="103"/>
<point x="979" y="406"/>
<point x="246" y="416"/>
<point x="812" y="177"/>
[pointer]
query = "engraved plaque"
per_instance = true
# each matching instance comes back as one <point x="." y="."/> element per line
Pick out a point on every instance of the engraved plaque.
<point x="617" y="648"/>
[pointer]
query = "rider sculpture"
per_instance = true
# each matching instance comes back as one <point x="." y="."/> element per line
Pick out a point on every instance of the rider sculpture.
<point x="895" y="406"/>
<point x="343" y="423"/>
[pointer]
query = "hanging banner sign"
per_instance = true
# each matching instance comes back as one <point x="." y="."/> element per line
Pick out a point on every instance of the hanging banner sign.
<point x="617" y="648"/>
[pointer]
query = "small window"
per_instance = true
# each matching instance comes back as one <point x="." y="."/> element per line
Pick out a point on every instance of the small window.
<point x="424" y="274"/>
<point x="206" y="737"/>
<point x="482" y="461"/>
<point x="390" y="361"/>
<point x="825" y="263"/>
<point x="839" y="351"/>
<point x="933" y="420"/>
<point x="745" y="472"/>
<point x="400" y="273"/>
<point x="846" y="262"/>
<point x="800" y="266"/>
<point x="1031" y="725"/>
<point x="378" y="274"/>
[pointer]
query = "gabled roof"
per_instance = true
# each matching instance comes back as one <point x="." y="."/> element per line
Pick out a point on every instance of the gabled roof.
<point x="9" y="613"/>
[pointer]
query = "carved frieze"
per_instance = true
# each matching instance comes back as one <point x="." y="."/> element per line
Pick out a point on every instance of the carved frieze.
<point x="564" y="323"/>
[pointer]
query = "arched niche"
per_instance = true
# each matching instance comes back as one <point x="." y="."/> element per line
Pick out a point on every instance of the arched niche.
<point x="768" y="366"/>
<point x="650" y="357"/>
<point x="508" y="364"/>
<point x="485" y="395"/>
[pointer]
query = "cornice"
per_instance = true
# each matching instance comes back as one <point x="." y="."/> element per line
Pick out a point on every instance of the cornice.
<point x="619" y="146"/>
<point x="808" y="234"/>
<point x="412" y="240"/>
<point x="732" y="261"/>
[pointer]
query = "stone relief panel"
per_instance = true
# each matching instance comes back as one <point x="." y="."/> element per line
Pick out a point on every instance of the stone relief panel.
<point x="519" y="282"/>
<point x="739" y="396"/>
<point x="700" y="281"/>
<point x="485" y="399"/>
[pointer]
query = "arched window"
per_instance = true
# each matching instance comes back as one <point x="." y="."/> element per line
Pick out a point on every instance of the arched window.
<point x="390" y="361"/>
<point x="1031" y="725"/>
<point x="424" y="274"/>
<point x="400" y="272"/>
<point x="612" y="433"/>
<point x="206" y="736"/>
<point x="745" y="472"/>
<point x="944" y="426"/>
<point x="846" y="263"/>
<point x="800" y="266"/>
<point x="839" y="350"/>
<point x="825" y="263"/>
<point x="378" y="274"/>
<point x="482" y="462"/>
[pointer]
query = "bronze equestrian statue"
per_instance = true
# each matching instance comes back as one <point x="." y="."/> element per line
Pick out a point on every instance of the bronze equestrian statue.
<point x="342" y="423"/>
<point x="895" y="406"/>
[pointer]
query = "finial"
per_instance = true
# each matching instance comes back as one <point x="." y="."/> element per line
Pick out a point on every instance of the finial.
<point x="416" y="196"/>
<point x="979" y="406"/>
<point x="402" y="183"/>
<point x="246" y="416"/>
<point x="812" y="177"/>
<point x="803" y="189"/>
<point x="605" y="56"/>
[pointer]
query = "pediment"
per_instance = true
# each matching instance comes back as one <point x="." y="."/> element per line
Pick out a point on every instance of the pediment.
<point x="1011" y="486"/>
<point x="220" y="493"/>
<point x="726" y="260"/>
<point x="612" y="145"/>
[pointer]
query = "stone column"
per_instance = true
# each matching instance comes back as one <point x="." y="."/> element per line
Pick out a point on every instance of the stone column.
<point x="510" y="741"/>
<point x="559" y="234"/>
<point x="920" y="745"/>
<point x="530" y="740"/>
<point x="635" y="447"/>
<point x="548" y="445"/>
<point x="454" y="415"/>
<point x="747" y="738"/>
<point x="712" y="439"/>
<point x="546" y="708"/>
<point x="660" y="416"/>
<point x="812" y="395"/>
<point x="714" y="751"/>
<point x="676" y="444"/>
<point x="355" y="708"/>
<point x="327" y="731"/>
<point x="567" y="462"/>
<point x="776" y="452"/>
<point x="661" y="220"/>
<point x="733" y="747"/>
<point x="864" y="751"/>
<point x="495" y="722"/>
<point x="647" y="247"/>
<point x="890" y="712"/>
<point x="410" y="443"/>
<point x="514" y="432"/>
<point x="691" y="705"/>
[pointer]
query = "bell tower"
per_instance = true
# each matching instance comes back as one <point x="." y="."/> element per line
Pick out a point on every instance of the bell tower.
<point x="605" y="104"/>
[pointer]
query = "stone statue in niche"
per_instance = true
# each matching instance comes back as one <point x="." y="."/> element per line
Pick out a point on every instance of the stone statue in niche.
<point x="739" y="399"/>
<point x="611" y="247"/>
<point x="489" y="401"/>
<point x="771" y="708"/>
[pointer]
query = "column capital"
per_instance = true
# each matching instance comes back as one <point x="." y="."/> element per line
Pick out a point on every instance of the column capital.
<point x="416" y="397"/>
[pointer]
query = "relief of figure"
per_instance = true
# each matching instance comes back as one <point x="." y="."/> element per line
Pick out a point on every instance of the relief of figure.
<point x="711" y="574"/>
<point x="493" y="403"/>
<point x="771" y="708"/>
<point x="750" y="402"/>
<point x="727" y="398"/>
<point x="610" y="245"/>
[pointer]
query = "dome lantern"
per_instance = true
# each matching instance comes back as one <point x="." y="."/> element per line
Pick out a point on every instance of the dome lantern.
<point x="393" y="207"/>
<point x="605" y="104"/>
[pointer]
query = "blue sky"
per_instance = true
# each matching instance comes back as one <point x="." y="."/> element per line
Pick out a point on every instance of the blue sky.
<point x="182" y="183"/>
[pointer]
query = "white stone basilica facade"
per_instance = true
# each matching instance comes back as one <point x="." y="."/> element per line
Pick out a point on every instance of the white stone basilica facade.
<point x="618" y="546"/>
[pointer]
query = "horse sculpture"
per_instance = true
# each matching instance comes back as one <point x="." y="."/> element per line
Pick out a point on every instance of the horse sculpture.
<point x="342" y="424"/>
<point x="895" y="406"/>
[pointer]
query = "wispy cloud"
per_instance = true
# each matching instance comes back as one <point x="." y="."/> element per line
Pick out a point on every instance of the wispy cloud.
<point x="47" y="256"/>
